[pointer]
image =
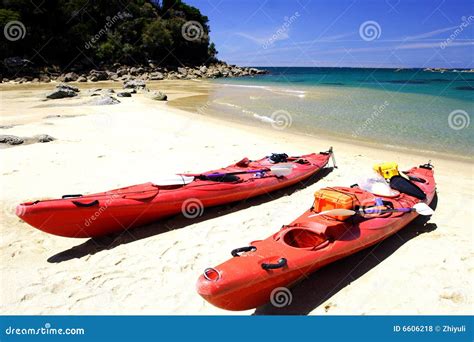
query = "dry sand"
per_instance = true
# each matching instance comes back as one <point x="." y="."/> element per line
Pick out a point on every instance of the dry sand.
<point x="425" y="269"/>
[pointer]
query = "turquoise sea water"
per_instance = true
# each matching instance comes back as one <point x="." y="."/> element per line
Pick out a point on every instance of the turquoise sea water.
<point x="409" y="108"/>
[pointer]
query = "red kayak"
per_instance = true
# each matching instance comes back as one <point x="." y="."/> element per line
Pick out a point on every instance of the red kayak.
<point x="257" y="273"/>
<point x="121" y="209"/>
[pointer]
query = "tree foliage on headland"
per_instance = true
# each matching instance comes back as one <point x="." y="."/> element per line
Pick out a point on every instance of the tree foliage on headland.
<point x="84" y="33"/>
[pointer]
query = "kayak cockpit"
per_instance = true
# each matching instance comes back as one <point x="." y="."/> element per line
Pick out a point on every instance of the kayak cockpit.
<point x="311" y="235"/>
<point x="303" y="238"/>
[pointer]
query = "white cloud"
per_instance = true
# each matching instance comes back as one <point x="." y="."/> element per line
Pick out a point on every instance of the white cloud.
<point x="431" y="33"/>
<point x="263" y="39"/>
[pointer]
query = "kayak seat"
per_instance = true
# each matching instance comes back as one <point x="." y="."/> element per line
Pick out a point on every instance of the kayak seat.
<point x="303" y="238"/>
<point x="311" y="235"/>
<point x="331" y="229"/>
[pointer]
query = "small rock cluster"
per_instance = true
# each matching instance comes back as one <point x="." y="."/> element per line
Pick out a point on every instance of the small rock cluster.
<point x="14" y="140"/>
<point x="105" y="96"/>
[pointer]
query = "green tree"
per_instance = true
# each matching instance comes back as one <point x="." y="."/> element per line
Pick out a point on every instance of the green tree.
<point x="84" y="34"/>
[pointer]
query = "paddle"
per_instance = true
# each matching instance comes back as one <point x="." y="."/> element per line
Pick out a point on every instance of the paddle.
<point x="277" y="170"/>
<point x="333" y="158"/>
<point x="420" y="208"/>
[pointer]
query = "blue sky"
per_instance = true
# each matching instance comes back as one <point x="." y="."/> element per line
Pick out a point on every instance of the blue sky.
<point x="354" y="33"/>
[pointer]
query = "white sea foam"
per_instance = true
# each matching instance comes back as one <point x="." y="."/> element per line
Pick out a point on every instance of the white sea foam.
<point x="264" y="118"/>
<point x="245" y="86"/>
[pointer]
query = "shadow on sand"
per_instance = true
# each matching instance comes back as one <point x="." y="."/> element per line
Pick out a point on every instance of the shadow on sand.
<point x="321" y="285"/>
<point x="93" y="246"/>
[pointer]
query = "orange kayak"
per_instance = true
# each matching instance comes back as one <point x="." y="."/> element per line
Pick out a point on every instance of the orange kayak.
<point x="84" y="216"/>
<point x="310" y="242"/>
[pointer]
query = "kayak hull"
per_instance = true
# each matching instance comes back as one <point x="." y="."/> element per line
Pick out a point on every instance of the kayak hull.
<point x="307" y="244"/>
<point x="126" y="208"/>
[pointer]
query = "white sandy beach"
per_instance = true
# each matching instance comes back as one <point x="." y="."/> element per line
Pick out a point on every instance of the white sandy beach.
<point x="427" y="268"/>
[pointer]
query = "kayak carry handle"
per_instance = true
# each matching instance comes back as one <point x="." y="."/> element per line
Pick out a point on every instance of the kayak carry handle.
<point x="236" y="252"/>
<point x="85" y="205"/>
<point x="71" y="196"/>
<point x="281" y="263"/>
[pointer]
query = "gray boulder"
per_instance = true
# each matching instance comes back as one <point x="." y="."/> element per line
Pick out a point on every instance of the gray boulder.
<point x="68" y="86"/>
<point x="155" y="76"/>
<point x="104" y="101"/>
<point x="124" y="94"/>
<point x="136" y="71"/>
<point x="134" y="84"/>
<point x="62" y="91"/>
<point x="122" y="71"/>
<point x="44" y="78"/>
<point x="98" y="75"/>
<point x="70" y="77"/>
<point x="44" y="138"/>
<point x="113" y="77"/>
<point x="159" y="96"/>
<point x="11" y="140"/>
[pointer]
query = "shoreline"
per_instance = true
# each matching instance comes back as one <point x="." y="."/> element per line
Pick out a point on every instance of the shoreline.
<point x="179" y="90"/>
<point x="323" y="134"/>
<point x="344" y="140"/>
